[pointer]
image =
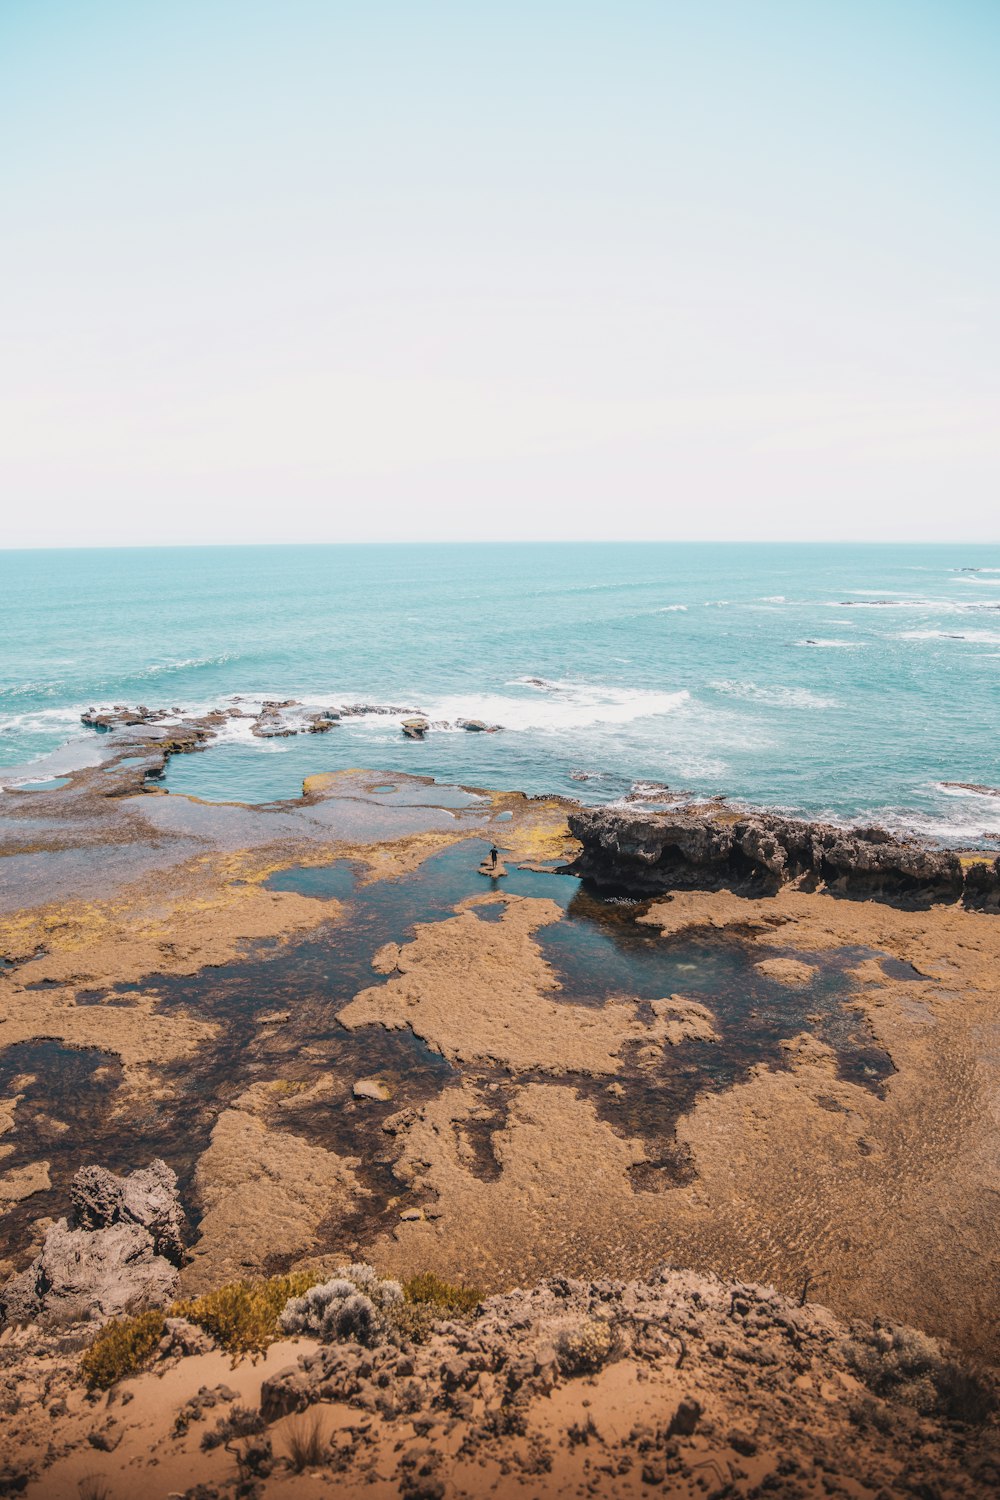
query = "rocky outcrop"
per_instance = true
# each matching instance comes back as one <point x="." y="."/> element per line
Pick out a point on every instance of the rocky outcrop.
<point x="118" y="1251"/>
<point x="414" y="729"/>
<point x="147" y="1198"/>
<point x="646" y="851"/>
<point x="682" y="1372"/>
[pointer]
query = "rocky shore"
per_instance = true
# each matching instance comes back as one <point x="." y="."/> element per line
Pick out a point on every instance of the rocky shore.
<point x="349" y="1046"/>
<point x="680" y="1383"/>
<point x="648" y="851"/>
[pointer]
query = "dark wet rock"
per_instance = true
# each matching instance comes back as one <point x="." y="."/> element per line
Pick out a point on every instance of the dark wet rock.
<point x="119" y="1251"/>
<point x="121" y="715"/>
<point x="652" y="850"/>
<point x="478" y="726"/>
<point x="982" y="885"/>
<point x="269" y="725"/>
<point x="322" y="722"/>
<point x="357" y="710"/>
<point x="414" y="729"/>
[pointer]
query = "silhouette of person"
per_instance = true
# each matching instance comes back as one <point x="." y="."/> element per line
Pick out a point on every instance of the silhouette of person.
<point x="494" y="853"/>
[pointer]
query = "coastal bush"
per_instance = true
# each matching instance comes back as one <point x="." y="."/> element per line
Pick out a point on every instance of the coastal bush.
<point x="355" y="1304"/>
<point x="445" y="1297"/>
<point x="122" y="1348"/>
<point x="244" y="1316"/>
<point x="427" y="1298"/>
<point x="584" y="1347"/>
<point x="906" y="1365"/>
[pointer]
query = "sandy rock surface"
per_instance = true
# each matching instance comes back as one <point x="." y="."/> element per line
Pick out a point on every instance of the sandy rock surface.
<point x="682" y="1384"/>
<point x="480" y="992"/>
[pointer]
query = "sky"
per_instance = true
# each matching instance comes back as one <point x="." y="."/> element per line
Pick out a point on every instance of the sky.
<point x="303" y="270"/>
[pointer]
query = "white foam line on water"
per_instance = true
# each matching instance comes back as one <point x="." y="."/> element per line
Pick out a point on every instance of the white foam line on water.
<point x="989" y="795"/>
<point x="563" y="705"/>
<point x="830" y="645"/>
<point x="774" y="696"/>
<point x="980" y="637"/>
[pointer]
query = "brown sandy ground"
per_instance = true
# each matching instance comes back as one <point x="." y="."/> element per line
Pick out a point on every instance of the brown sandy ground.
<point x="683" y="1385"/>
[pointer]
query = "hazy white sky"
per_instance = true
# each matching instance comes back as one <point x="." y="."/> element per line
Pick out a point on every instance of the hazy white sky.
<point x="301" y="269"/>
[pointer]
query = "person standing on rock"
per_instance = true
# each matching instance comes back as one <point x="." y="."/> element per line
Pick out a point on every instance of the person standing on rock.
<point x="494" y="856"/>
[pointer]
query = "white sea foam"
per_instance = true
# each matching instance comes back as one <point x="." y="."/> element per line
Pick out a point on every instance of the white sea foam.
<point x="560" y="706"/>
<point x="669" y="609"/>
<point x="829" y="645"/>
<point x="774" y="696"/>
<point x="980" y="637"/>
<point x="187" y="663"/>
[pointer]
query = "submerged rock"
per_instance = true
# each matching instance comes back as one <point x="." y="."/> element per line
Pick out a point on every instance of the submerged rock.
<point x="477" y="726"/>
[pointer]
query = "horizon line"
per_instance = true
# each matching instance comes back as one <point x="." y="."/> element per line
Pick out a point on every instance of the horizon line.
<point x="514" y="542"/>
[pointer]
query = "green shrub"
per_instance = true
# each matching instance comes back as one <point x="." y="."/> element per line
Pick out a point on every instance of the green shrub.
<point x="584" y="1347"/>
<point x="243" y="1316"/>
<point x="447" y="1299"/>
<point x="122" y="1348"/>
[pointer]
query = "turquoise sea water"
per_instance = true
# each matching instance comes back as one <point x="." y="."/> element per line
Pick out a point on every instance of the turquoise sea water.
<point x="842" y="680"/>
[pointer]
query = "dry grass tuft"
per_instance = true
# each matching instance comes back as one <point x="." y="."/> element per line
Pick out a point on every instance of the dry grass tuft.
<point x="93" y="1487"/>
<point x="307" y="1443"/>
<point x="448" y="1299"/>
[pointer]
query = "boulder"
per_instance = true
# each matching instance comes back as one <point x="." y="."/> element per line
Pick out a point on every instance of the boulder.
<point x="372" y="1088"/>
<point x="147" y="1197"/>
<point x="80" y="1275"/>
<point x="414" y="729"/>
<point x="119" y="1251"/>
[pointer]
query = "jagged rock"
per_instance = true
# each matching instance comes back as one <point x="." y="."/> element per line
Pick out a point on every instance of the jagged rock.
<point x="356" y="710"/>
<point x="147" y="1197"/>
<point x="112" y="1258"/>
<point x="81" y="1274"/>
<point x="414" y="729"/>
<point x="740" y="1350"/>
<point x="982" y="885"/>
<point x="322" y="722"/>
<point x="648" y="851"/>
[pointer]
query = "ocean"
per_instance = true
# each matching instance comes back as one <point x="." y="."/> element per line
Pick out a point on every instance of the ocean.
<point x="837" y="681"/>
